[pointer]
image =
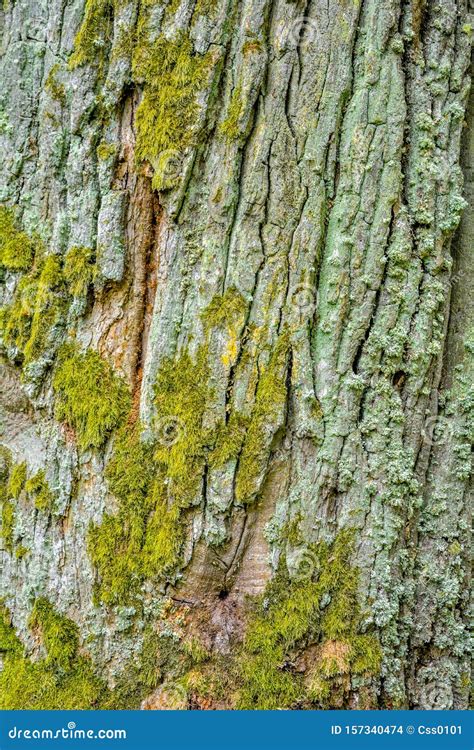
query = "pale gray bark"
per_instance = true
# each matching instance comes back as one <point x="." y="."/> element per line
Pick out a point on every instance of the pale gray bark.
<point x="332" y="210"/>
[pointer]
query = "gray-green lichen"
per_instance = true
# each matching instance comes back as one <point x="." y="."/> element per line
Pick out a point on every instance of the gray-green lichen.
<point x="231" y="295"/>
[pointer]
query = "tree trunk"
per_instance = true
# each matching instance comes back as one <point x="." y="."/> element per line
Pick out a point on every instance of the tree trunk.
<point x="237" y="378"/>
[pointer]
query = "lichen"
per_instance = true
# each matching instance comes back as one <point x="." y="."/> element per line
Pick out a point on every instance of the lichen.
<point x="90" y="397"/>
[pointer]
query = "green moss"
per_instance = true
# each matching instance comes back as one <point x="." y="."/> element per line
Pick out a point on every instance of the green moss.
<point x="296" y="619"/>
<point x="230" y="438"/>
<point x="49" y="310"/>
<point x="225" y="310"/>
<point x="153" y="484"/>
<point x="6" y="507"/>
<point x="60" y="636"/>
<point x="38" y="487"/>
<point x="11" y="485"/>
<point x="38" y="309"/>
<point x="105" y="150"/>
<point x="8" y="524"/>
<point x="182" y="395"/>
<point x="172" y="75"/>
<point x="55" y="89"/>
<point x="269" y="403"/>
<point x="9" y="643"/>
<point x="90" y="396"/>
<point x="17" y="480"/>
<point x="205" y="8"/>
<point x="17" y="249"/>
<point x="79" y="270"/>
<point x="303" y="646"/>
<point x="95" y="33"/>
<point x="21" y="552"/>
<point x="230" y="127"/>
<point x="64" y="679"/>
<point x="169" y="72"/>
<point x="115" y="546"/>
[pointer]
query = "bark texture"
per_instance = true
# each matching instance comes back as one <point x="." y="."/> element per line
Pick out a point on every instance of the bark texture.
<point x="237" y="375"/>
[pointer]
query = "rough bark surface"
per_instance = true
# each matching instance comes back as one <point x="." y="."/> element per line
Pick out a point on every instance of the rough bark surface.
<point x="237" y="375"/>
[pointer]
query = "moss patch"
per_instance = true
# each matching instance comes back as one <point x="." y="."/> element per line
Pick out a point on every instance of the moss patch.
<point x="79" y="270"/>
<point x="143" y="539"/>
<point x="115" y="546"/>
<point x="172" y="75"/>
<point x="320" y="610"/>
<point x="56" y="89"/>
<point x="303" y="644"/>
<point x="90" y="396"/>
<point x="8" y="524"/>
<point x="95" y="33"/>
<point x="30" y="324"/>
<point x="17" y="249"/>
<point x="182" y="394"/>
<point x="64" y="679"/>
<point x="169" y="71"/>
<point x="17" y="480"/>
<point x="155" y="484"/>
<point x="105" y="150"/>
<point x="230" y="126"/>
<point x="38" y="488"/>
<point x="269" y="405"/>
<point x="6" y="506"/>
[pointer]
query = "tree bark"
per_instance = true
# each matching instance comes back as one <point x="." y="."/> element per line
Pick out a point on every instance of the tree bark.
<point x="237" y="370"/>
